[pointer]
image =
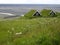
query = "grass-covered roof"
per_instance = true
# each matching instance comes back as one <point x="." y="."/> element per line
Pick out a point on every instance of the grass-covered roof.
<point x="30" y="13"/>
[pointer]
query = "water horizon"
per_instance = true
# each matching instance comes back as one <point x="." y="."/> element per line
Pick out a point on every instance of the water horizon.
<point x="21" y="9"/>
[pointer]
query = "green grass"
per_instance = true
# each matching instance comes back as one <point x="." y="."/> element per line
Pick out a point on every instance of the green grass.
<point x="46" y="13"/>
<point x="30" y="14"/>
<point x="35" y="31"/>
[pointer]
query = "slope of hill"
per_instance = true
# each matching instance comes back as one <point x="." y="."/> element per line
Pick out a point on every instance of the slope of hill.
<point x="36" y="31"/>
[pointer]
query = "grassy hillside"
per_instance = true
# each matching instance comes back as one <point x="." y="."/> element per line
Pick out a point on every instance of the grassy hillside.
<point x="36" y="31"/>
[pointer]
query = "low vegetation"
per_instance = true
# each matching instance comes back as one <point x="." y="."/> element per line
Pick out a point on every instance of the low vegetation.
<point x="35" y="31"/>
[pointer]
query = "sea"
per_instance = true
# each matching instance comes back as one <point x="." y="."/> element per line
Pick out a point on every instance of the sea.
<point x="7" y="10"/>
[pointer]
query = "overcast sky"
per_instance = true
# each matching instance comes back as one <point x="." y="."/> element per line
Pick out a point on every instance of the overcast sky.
<point x="29" y="1"/>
